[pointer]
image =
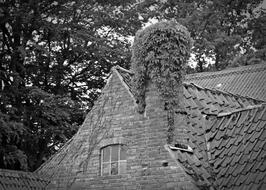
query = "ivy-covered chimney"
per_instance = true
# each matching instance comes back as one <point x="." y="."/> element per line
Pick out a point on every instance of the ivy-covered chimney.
<point x="160" y="53"/>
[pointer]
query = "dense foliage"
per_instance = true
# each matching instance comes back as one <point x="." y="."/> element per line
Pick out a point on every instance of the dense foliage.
<point x="55" y="56"/>
<point x="54" y="59"/>
<point x="160" y="53"/>
<point x="225" y="32"/>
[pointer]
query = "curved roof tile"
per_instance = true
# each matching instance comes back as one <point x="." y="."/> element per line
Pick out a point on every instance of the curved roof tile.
<point x="246" y="80"/>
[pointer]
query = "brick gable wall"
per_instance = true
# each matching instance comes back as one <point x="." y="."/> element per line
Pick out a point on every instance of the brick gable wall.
<point x="143" y="134"/>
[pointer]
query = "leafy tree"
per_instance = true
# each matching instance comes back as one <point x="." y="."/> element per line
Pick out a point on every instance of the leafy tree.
<point x="221" y="29"/>
<point x="35" y="119"/>
<point x="257" y="54"/>
<point x="55" y="56"/>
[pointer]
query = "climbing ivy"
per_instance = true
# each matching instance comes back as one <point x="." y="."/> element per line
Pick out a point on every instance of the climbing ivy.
<point x="160" y="52"/>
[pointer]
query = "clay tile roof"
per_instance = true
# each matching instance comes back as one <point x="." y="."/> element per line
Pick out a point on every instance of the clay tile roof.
<point x="237" y="143"/>
<point x="199" y="99"/>
<point x="18" y="180"/>
<point x="193" y="166"/>
<point x="246" y="80"/>
<point x="229" y="151"/>
<point x="208" y="164"/>
<point x="200" y="103"/>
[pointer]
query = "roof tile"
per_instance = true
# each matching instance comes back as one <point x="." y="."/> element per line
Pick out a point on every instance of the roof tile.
<point x="246" y="155"/>
<point x="212" y="157"/>
<point x="17" y="180"/>
<point x="262" y="185"/>
<point x="246" y="81"/>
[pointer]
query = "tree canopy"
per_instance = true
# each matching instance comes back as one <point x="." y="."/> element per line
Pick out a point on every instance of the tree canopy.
<point x="223" y="30"/>
<point x="55" y="56"/>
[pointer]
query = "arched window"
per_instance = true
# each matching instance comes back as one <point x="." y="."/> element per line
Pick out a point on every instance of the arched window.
<point x="113" y="160"/>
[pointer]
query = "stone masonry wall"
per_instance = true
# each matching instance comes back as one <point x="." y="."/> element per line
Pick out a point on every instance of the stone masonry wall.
<point x="149" y="165"/>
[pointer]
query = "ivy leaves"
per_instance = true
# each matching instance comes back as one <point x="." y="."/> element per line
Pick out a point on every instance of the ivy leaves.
<point x="160" y="52"/>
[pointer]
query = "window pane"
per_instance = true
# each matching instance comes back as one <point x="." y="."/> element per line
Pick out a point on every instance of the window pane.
<point x="123" y="152"/>
<point x="115" y="153"/>
<point x="114" y="168"/>
<point x="106" y="154"/>
<point x="122" y="167"/>
<point x="106" y="169"/>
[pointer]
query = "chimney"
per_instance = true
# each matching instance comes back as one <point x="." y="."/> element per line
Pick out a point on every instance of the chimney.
<point x="160" y="52"/>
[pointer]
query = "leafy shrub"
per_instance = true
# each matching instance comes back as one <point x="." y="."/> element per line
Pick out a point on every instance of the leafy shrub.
<point x="160" y="52"/>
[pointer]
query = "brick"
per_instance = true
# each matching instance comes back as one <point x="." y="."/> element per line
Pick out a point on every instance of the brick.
<point x="145" y="139"/>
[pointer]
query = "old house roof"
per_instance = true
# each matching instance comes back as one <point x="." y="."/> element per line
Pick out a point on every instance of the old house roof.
<point x="246" y="80"/>
<point x="235" y="147"/>
<point x="212" y="140"/>
<point x="229" y="148"/>
<point x="18" y="180"/>
<point x="199" y="99"/>
<point x="238" y="148"/>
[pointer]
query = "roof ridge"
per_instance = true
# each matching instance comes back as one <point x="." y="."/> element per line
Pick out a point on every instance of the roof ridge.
<point x="15" y="171"/>
<point x="220" y="91"/>
<point x="241" y="69"/>
<point x="238" y="70"/>
<point x="24" y="174"/>
<point x="214" y="90"/>
<point x="241" y="109"/>
<point x="122" y="69"/>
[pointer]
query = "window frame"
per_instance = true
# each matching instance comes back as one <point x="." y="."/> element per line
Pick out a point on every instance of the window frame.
<point x="110" y="162"/>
